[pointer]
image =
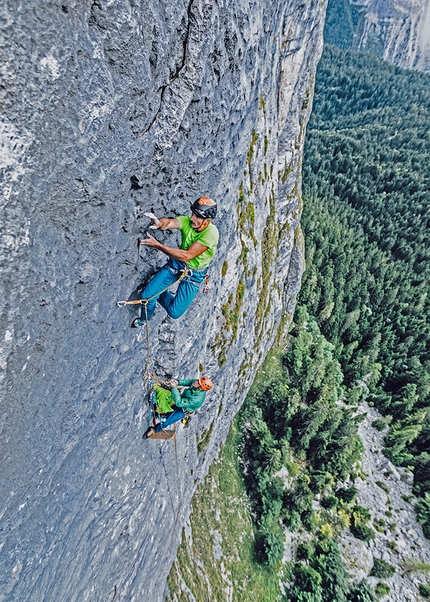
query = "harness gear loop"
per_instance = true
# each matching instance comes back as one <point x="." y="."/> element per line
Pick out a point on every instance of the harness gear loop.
<point x="206" y="287"/>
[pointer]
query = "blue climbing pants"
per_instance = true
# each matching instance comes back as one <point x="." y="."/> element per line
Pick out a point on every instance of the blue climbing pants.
<point x="177" y="304"/>
<point x="177" y="414"/>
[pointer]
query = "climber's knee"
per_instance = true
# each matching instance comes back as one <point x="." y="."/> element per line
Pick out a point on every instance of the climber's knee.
<point x="175" y="311"/>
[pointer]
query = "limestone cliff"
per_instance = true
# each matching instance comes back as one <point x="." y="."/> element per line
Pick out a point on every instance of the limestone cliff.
<point x="396" y="30"/>
<point x="111" y="109"/>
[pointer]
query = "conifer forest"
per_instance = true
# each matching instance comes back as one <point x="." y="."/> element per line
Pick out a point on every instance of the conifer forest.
<point x="361" y="329"/>
<point x="367" y="225"/>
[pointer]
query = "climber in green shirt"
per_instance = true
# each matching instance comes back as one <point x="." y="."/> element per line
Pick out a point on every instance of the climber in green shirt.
<point x="199" y="240"/>
<point x="174" y="406"/>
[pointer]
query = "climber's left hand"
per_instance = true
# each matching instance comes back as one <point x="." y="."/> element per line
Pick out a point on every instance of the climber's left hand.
<point x="150" y="241"/>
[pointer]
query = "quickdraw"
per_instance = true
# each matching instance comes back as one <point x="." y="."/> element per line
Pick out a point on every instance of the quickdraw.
<point x="206" y="287"/>
<point x="132" y="302"/>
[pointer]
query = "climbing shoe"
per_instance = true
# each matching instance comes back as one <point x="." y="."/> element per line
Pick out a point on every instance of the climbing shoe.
<point x="137" y="322"/>
<point x="186" y="421"/>
<point x="148" y="433"/>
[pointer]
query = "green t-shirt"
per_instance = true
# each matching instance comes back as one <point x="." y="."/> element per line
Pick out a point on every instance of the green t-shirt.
<point x="207" y="237"/>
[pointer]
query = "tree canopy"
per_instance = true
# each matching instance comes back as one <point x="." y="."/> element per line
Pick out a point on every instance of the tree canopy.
<point x="366" y="219"/>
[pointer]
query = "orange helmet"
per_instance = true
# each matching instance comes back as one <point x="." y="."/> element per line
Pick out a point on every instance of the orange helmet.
<point x="206" y="383"/>
<point x="204" y="207"/>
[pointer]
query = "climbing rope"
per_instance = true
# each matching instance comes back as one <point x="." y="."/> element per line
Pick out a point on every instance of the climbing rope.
<point x="151" y="419"/>
<point x="148" y="346"/>
<point x="184" y="273"/>
<point x="178" y="482"/>
<point x="145" y="302"/>
<point x="148" y="374"/>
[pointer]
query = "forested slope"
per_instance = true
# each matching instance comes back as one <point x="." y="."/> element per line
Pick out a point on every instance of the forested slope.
<point x="366" y="223"/>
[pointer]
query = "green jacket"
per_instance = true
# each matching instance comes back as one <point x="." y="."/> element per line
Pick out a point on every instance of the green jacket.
<point x="190" y="399"/>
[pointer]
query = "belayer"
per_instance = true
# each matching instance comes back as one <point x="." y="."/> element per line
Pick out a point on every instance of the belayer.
<point x="173" y="405"/>
<point x="198" y="245"/>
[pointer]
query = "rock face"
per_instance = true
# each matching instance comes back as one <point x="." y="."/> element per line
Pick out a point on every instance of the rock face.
<point x="111" y="109"/>
<point x="397" y="30"/>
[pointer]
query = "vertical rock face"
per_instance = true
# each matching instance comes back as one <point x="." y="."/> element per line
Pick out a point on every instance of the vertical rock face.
<point x="397" y="30"/>
<point x="112" y="109"/>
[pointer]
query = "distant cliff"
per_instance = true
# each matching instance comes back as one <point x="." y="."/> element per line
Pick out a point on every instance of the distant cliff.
<point x="111" y="109"/>
<point x="396" y="30"/>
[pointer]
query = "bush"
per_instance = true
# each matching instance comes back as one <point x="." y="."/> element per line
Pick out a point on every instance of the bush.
<point x="411" y="565"/>
<point x="305" y="550"/>
<point x="323" y="578"/>
<point x="407" y="498"/>
<point x="422" y="509"/>
<point x="362" y="593"/>
<point x="329" y="502"/>
<point x="346" y="494"/>
<point x="380" y="424"/>
<point x="307" y="585"/>
<point x="320" y="480"/>
<point x="424" y="591"/>
<point x="328" y="562"/>
<point x="310" y="520"/>
<point x="363" y="532"/>
<point x="270" y="547"/>
<point x="383" y="486"/>
<point x="382" y="569"/>
<point x="382" y="589"/>
<point x="291" y="519"/>
<point x="359" y="527"/>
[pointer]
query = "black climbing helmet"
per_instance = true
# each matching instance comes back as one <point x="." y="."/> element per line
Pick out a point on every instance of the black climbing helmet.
<point x="204" y="207"/>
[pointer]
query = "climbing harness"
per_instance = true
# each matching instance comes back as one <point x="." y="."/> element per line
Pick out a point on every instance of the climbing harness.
<point x="145" y="302"/>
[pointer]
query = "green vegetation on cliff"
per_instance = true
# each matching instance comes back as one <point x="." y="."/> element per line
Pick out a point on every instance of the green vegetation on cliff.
<point x="217" y="555"/>
<point x="300" y="439"/>
<point x="296" y="437"/>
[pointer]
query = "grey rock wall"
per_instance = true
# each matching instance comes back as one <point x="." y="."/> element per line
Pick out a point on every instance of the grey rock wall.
<point x="401" y="28"/>
<point x="110" y="109"/>
<point x="396" y="30"/>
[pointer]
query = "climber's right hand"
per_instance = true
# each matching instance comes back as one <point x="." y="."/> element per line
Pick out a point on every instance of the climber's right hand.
<point x="155" y="221"/>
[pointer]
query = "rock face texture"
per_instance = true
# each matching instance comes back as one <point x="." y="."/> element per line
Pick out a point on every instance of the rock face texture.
<point x="397" y="30"/>
<point x="110" y="109"/>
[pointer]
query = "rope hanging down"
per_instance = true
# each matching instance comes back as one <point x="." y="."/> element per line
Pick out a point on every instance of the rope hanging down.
<point x="184" y="273"/>
<point x="145" y="302"/>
